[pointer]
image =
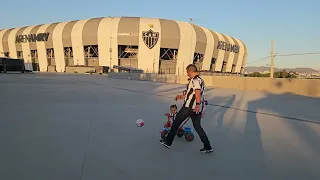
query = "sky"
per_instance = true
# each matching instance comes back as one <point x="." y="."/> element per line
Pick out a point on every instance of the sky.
<point x="293" y="25"/>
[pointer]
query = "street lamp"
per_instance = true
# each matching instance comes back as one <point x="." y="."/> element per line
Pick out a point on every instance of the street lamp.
<point x="191" y="55"/>
<point x="110" y="48"/>
<point x="191" y="21"/>
<point x="130" y="48"/>
<point x="154" y="62"/>
<point x="78" y="60"/>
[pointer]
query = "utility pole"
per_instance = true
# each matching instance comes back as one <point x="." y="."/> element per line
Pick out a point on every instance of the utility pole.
<point x="272" y="59"/>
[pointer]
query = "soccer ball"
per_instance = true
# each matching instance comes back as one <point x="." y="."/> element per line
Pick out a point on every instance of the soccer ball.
<point x="139" y="122"/>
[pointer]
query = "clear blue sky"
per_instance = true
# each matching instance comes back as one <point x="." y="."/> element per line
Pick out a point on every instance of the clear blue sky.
<point x="294" y="25"/>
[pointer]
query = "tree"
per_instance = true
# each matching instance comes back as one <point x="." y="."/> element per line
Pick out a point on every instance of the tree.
<point x="279" y="74"/>
<point x="284" y="74"/>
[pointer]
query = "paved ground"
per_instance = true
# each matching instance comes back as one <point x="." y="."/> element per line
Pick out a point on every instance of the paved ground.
<point x="45" y="123"/>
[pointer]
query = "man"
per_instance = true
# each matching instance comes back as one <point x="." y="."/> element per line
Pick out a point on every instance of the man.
<point x="192" y="107"/>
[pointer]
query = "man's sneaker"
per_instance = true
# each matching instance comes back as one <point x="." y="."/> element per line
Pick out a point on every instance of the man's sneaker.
<point x="205" y="150"/>
<point x="164" y="144"/>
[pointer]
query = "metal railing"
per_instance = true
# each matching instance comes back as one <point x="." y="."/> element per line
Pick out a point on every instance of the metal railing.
<point x="172" y="71"/>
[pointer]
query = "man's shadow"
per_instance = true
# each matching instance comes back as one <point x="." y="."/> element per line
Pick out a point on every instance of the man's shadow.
<point x="301" y="138"/>
<point x="235" y="135"/>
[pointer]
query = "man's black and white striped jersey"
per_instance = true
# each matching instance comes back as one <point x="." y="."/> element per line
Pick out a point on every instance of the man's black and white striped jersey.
<point x="194" y="84"/>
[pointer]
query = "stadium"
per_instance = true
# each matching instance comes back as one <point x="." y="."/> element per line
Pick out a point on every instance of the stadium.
<point x="151" y="45"/>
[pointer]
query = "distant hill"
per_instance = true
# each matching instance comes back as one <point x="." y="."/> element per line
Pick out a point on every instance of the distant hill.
<point x="251" y="69"/>
<point x="302" y="70"/>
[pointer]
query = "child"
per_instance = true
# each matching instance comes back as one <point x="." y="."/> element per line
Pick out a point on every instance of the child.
<point x="173" y="113"/>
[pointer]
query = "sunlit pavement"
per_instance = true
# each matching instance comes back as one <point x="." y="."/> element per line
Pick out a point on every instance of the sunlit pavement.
<point x="56" y="127"/>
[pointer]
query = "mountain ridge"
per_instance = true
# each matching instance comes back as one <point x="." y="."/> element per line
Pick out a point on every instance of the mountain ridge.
<point x="251" y="69"/>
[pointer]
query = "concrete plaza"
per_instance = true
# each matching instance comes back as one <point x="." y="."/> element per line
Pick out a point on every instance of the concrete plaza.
<point x="73" y="127"/>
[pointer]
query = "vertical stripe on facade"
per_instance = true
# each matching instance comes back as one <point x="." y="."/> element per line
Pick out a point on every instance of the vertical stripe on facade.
<point x="215" y="52"/>
<point x="169" y="44"/>
<point x="33" y="45"/>
<point x="201" y="44"/>
<point x="107" y="38"/>
<point x="41" y="49"/>
<point x="244" y="61"/>
<point x="209" y="50"/>
<point x="26" y="50"/>
<point x="236" y="55"/>
<point x="90" y="32"/>
<point x="128" y="31"/>
<point x="67" y="41"/>
<point x="77" y="43"/>
<point x="19" y="45"/>
<point x="66" y="34"/>
<point x="226" y="53"/>
<point x="1" y="40"/>
<point x="170" y="34"/>
<point x="240" y="56"/>
<point x="12" y="44"/>
<point x="148" y="59"/>
<point x="50" y="29"/>
<point x="230" y="54"/>
<point x="58" y="47"/>
<point x="49" y="43"/>
<point x="186" y="47"/>
<point x="218" y="54"/>
<point x="5" y="46"/>
<point x="201" y="41"/>
<point x="90" y="35"/>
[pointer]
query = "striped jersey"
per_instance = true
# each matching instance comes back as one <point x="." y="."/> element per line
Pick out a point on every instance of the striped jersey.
<point x="190" y="99"/>
<point x="173" y="116"/>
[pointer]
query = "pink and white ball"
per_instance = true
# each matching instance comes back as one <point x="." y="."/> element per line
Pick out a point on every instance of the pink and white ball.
<point x="140" y="123"/>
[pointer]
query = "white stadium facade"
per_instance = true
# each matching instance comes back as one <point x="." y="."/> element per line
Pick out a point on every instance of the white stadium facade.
<point x="148" y="44"/>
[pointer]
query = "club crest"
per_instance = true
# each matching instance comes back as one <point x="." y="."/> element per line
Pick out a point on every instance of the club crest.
<point x="150" y="38"/>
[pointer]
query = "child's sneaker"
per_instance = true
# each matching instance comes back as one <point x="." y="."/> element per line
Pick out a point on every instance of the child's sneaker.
<point x="164" y="144"/>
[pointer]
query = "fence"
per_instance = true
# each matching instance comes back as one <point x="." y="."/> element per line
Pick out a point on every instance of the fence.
<point x="306" y="87"/>
<point x="169" y="71"/>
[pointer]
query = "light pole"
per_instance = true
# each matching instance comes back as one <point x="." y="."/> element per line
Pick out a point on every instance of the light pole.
<point x="154" y="62"/>
<point x="78" y="60"/>
<point x="110" y="48"/>
<point x="28" y="61"/>
<point x="130" y="48"/>
<point x="191" y="56"/>
<point x="110" y="54"/>
<point x="191" y="21"/>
